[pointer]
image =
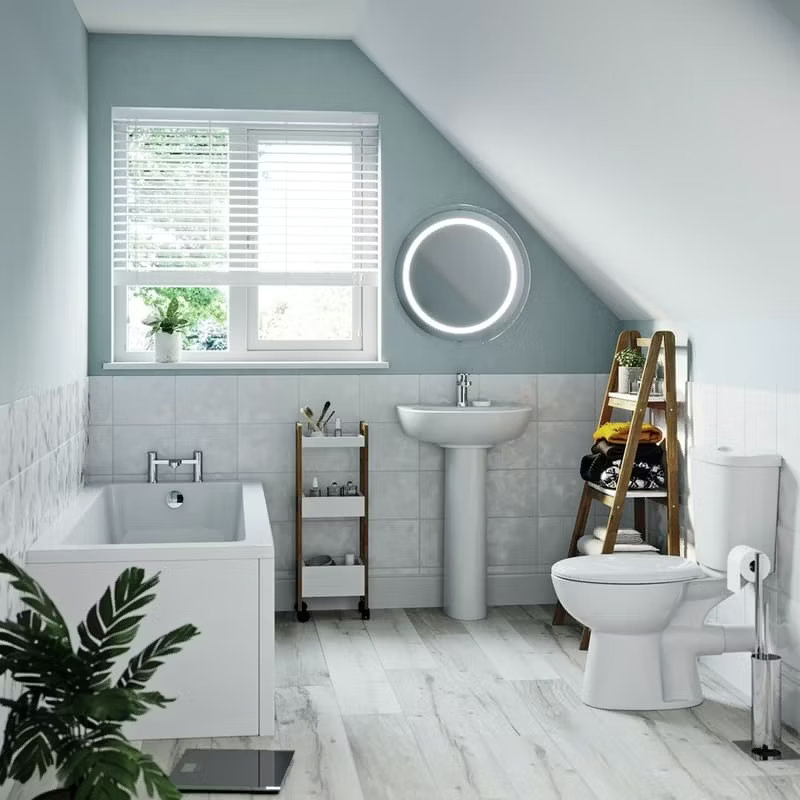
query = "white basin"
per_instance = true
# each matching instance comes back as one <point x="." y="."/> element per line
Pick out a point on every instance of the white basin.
<point x="466" y="434"/>
<point x="472" y="426"/>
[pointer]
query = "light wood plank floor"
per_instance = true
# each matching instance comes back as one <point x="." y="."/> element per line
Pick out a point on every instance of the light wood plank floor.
<point x="412" y="704"/>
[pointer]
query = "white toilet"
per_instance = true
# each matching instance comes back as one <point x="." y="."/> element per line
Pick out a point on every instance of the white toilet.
<point x="647" y="612"/>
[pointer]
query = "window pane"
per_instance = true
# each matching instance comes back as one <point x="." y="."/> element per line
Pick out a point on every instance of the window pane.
<point x="205" y="307"/>
<point x="305" y="313"/>
<point x="305" y="206"/>
<point x="176" y="197"/>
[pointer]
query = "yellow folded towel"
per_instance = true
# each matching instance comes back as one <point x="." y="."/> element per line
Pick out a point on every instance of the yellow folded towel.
<point x="617" y="433"/>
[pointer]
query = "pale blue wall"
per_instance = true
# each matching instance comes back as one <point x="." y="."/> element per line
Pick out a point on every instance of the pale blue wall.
<point x="43" y="196"/>
<point x="736" y="351"/>
<point x="565" y="328"/>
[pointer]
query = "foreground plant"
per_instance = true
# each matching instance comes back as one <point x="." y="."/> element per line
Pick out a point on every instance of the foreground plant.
<point x="70" y="713"/>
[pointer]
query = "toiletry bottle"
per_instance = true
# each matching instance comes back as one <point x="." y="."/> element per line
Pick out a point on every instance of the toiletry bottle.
<point x="337" y="428"/>
<point x="314" y="492"/>
<point x="333" y="489"/>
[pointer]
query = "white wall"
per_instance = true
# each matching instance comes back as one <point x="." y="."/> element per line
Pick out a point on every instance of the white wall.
<point x="642" y="139"/>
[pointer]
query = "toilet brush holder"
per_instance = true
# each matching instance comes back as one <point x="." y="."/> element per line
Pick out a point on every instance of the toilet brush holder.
<point x="765" y="702"/>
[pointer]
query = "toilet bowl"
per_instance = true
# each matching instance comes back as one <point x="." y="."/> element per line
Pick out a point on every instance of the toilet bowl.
<point x="647" y="612"/>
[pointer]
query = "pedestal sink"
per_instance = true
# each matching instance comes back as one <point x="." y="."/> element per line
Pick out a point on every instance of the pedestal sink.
<point x="466" y="434"/>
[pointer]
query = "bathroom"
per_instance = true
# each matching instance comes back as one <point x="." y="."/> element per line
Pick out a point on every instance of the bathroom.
<point x="590" y="214"/>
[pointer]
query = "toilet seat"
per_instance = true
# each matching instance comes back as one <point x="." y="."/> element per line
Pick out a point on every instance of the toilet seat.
<point x="627" y="568"/>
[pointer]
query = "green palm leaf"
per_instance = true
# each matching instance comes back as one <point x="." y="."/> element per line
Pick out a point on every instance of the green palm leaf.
<point x="142" y="666"/>
<point x="33" y="596"/>
<point x="111" y="624"/>
<point x="68" y="714"/>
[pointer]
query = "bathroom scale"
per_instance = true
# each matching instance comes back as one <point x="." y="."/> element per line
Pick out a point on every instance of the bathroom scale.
<point x="231" y="771"/>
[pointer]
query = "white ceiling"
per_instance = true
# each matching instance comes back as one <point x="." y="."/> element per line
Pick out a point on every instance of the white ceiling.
<point x="655" y="145"/>
<point x="331" y="19"/>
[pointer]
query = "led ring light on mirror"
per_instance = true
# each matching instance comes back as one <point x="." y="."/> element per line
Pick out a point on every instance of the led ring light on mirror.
<point x="463" y="274"/>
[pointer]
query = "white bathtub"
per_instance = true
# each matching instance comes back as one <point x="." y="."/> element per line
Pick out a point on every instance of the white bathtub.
<point x="216" y="559"/>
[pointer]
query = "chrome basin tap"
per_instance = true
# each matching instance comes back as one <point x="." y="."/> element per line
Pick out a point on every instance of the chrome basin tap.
<point x="153" y="462"/>
<point x="462" y="387"/>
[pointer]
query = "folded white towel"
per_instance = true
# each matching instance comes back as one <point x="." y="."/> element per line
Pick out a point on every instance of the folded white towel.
<point x="624" y="535"/>
<point x="589" y="546"/>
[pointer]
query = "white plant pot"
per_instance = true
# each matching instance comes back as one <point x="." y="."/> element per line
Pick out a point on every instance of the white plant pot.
<point x="168" y="347"/>
<point x="626" y="376"/>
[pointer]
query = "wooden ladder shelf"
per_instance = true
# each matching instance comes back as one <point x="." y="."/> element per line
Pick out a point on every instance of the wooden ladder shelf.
<point x="638" y="404"/>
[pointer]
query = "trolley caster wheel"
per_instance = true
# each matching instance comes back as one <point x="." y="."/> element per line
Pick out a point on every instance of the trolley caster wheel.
<point x="303" y="614"/>
<point x="365" y="614"/>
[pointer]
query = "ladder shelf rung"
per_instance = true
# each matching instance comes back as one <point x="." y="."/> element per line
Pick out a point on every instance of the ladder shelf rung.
<point x="629" y="401"/>
<point x="606" y="496"/>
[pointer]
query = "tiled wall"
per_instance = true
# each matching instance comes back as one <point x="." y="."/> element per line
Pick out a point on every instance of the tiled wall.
<point x="766" y="421"/>
<point x="245" y="427"/>
<point x="42" y="449"/>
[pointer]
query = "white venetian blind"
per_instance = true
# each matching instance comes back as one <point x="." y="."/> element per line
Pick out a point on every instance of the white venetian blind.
<point x="229" y="197"/>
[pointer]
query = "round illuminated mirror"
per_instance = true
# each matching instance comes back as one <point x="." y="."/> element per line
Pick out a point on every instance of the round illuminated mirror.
<point x="463" y="273"/>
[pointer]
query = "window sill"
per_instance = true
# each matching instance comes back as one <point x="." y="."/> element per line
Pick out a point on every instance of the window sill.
<point x="240" y="366"/>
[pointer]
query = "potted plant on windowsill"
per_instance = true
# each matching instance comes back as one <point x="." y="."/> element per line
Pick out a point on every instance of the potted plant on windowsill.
<point x="69" y="713"/>
<point x="166" y="328"/>
<point x="630" y="361"/>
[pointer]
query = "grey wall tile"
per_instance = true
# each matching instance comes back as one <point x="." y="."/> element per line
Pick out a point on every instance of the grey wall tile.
<point x="431" y="541"/>
<point x="218" y="443"/>
<point x="331" y="459"/>
<point x="266" y="448"/>
<point x="144" y="400"/>
<point x="562" y="444"/>
<point x="554" y="538"/>
<point x="437" y="389"/>
<point x="512" y="541"/>
<point x="379" y="394"/>
<point x="521" y="453"/>
<point x="131" y="443"/>
<point x="566" y="397"/>
<point x="431" y="495"/>
<point x="341" y="390"/>
<point x="100" y="450"/>
<point x="392" y="494"/>
<point x="268" y="398"/>
<point x="511" y="493"/>
<point x="559" y="492"/>
<point x="509" y="389"/>
<point x="431" y="456"/>
<point x="391" y="449"/>
<point x="100" y="400"/>
<point x="394" y="543"/>
<point x="206" y="399"/>
<point x="283" y="541"/>
<point x="331" y="537"/>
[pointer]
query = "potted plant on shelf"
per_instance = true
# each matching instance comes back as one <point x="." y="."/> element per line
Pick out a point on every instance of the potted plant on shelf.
<point x="630" y="361"/>
<point x="166" y="327"/>
<point x="69" y="713"/>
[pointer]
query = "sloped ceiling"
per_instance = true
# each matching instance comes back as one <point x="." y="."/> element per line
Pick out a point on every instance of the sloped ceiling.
<point x="331" y="19"/>
<point x="656" y="145"/>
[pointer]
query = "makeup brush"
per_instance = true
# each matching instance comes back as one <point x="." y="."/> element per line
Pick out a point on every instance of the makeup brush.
<point x="330" y="417"/>
<point x="324" y="411"/>
<point x="309" y="415"/>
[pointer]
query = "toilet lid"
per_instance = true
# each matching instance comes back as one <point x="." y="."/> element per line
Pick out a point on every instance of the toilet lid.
<point x="627" y="568"/>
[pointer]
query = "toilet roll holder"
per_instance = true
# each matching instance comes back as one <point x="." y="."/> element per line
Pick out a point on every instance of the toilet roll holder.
<point x="765" y="707"/>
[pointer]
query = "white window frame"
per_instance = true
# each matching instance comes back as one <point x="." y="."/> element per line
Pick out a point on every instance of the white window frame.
<point x="242" y="284"/>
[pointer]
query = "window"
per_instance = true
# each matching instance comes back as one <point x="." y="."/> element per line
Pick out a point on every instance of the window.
<point x="265" y="224"/>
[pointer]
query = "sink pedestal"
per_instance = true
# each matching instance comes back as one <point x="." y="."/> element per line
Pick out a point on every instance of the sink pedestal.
<point x="465" y="532"/>
<point x="466" y="434"/>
